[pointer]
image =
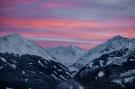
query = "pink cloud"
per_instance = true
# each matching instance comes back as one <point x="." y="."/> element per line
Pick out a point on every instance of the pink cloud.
<point x="16" y="1"/>
<point x="11" y="3"/>
<point x="82" y="30"/>
<point x="65" y="23"/>
<point x="55" y="5"/>
<point x="77" y="29"/>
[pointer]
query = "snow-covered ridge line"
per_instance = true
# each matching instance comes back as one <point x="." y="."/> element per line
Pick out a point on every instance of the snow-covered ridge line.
<point x="17" y="44"/>
<point x="114" y="44"/>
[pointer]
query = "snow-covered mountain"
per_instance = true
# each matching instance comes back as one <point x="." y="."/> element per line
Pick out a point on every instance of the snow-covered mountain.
<point x="116" y="71"/>
<point x="114" y="44"/>
<point x="66" y="55"/>
<point x="25" y="65"/>
<point x="15" y="43"/>
<point x="30" y="72"/>
<point x="113" y="66"/>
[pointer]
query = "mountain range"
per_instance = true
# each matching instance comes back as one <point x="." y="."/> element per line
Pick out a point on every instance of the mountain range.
<point x="114" y="44"/>
<point x="15" y="43"/>
<point x="25" y="65"/>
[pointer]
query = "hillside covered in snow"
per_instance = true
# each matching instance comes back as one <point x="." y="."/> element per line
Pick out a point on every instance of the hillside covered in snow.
<point x="17" y="44"/>
<point x="66" y="55"/>
<point x="116" y="44"/>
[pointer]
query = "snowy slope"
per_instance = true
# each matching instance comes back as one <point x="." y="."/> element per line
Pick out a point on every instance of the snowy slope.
<point x="15" y="43"/>
<point x="30" y="72"/>
<point x="114" y="44"/>
<point x="66" y="55"/>
<point x="117" y="71"/>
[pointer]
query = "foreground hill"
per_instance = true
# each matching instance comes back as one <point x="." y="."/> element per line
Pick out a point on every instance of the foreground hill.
<point x="114" y="70"/>
<point x="30" y="72"/>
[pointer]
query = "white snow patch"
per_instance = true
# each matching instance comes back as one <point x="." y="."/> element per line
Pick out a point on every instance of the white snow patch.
<point x="4" y="60"/>
<point x="80" y="87"/>
<point x="129" y="80"/>
<point x="70" y="87"/>
<point x="62" y="77"/>
<point x="101" y="62"/>
<point x="101" y="74"/>
<point x="91" y="64"/>
<point x="60" y="70"/>
<point x="95" y="67"/>
<point x="26" y="80"/>
<point x="55" y="66"/>
<point x="1" y="67"/>
<point x="14" y="61"/>
<point x="55" y="72"/>
<point x="131" y="59"/>
<point x="41" y="72"/>
<point x="54" y="76"/>
<point x="119" y="81"/>
<point x="23" y="72"/>
<point x="129" y="72"/>
<point x="63" y="67"/>
<point x="41" y="63"/>
<point x="13" y="66"/>
<point x="9" y="88"/>
<point x="30" y="63"/>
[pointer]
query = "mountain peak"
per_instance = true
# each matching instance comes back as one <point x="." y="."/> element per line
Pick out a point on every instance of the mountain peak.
<point x="116" y="43"/>
<point x="17" y="44"/>
<point x="118" y="37"/>
<point x="12" y="37"/>
<point x="15" y="35"/>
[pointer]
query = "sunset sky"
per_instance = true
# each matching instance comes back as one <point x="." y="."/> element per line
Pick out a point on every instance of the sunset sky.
<point x="84" y="23"/>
